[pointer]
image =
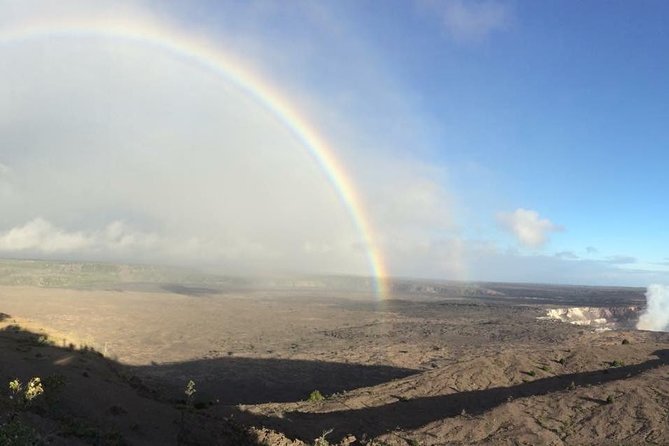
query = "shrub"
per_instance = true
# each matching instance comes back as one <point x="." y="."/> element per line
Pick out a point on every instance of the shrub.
<point x="23" y="396"/>
<point x="15" y="432"/>
<point x="315" y="396"/>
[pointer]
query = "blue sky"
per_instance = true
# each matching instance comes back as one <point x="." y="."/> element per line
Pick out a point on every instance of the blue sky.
<point x="491" y="139"/>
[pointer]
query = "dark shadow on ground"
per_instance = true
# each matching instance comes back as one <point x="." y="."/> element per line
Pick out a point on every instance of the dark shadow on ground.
<point x="232" y="380"/>
<point x="414" y="413"/>
<point x="70" y="374"/>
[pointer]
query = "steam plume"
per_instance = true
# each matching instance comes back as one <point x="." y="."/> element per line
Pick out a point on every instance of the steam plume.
<point x="656" y="316"/>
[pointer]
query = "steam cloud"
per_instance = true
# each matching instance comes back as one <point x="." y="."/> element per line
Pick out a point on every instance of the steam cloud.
<point x="656" y="316"/>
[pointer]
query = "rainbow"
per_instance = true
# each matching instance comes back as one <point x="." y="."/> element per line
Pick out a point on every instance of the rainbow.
<point x="201" y="52"/>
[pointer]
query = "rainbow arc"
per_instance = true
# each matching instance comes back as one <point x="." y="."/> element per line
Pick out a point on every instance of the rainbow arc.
<point x="204" y="54"/>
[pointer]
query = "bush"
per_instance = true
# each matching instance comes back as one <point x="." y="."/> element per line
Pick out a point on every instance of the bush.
<point x="315" y="396"/>
<point x="22" y="395"/>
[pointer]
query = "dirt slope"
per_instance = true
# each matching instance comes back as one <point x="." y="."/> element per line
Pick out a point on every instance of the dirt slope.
<point x="89" y="399"/>
<point x="598" y="391"/>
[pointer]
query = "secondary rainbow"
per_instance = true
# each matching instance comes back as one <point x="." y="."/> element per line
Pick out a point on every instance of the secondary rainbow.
<point x="205" y="54"/>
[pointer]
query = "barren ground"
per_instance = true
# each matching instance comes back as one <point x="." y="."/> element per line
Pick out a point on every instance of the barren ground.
<point x="435" y="364"/>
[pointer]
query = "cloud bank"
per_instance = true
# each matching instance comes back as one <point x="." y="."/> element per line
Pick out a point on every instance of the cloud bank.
<point x="41" y="237"/>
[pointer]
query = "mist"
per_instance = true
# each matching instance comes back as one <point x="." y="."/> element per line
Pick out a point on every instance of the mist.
<point x="106" y="159"/>
<point x="656" y="315"/>
<point x="118" y="151"/>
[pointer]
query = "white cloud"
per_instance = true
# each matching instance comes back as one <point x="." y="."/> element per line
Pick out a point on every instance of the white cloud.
<point x="39" y="236"/>
<point x="528" y="227"/>
<point x="472" y="20"/>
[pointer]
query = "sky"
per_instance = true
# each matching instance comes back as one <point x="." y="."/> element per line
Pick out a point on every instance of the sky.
<point x="487" y="139"/>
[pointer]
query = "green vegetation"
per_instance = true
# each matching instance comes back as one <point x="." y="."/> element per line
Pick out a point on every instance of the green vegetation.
<point x="610" y="399"/>
<point x="545" y="368"/>
<point x="315" y="396"/>
<point x="617" y="363"/>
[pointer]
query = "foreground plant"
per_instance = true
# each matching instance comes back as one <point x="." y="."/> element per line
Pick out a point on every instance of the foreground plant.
<point x="23" y="396"/>
<point x="190" y="392"/>
<point x="15" y="431"/>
